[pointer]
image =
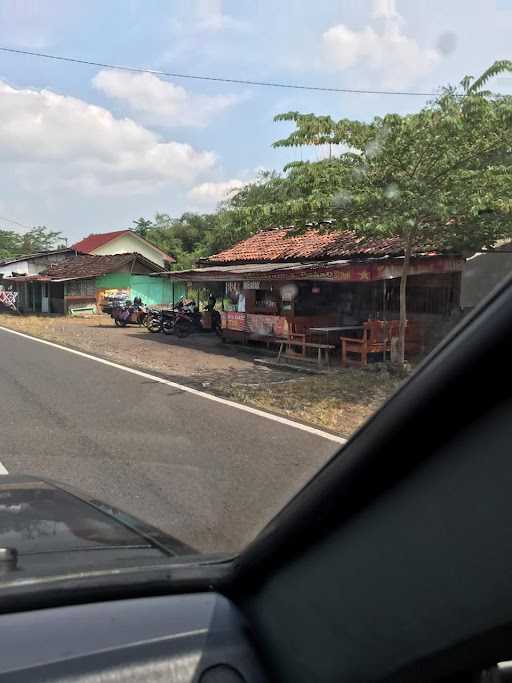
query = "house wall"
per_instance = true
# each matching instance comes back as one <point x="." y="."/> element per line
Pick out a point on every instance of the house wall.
<point x="482" y="272"/>
<point x="79" y="293"/>
<point x="156" y="290"/>
<point x="130" y="243"/>
<point x="32" y="266"/>
<point x="152" y="290"/>
<point x="19" y="267"/>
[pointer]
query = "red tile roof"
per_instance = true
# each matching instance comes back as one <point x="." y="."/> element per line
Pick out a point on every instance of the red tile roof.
<point x="280" y="245"/>
<point x="93" y="242"/>
<point x="87" y="265"/>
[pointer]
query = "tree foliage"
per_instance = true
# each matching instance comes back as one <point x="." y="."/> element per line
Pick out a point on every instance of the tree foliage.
<point x="438" y="178"/>
<point x="39" y="238"/>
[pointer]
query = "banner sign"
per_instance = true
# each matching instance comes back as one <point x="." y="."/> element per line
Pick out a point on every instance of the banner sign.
<point x="255" y="323"/>
<point x="368" y="272"/>
<point x="8" y="299"/>
<point x="383" y="269"/>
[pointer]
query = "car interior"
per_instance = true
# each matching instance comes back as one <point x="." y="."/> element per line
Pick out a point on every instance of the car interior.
<point x="393" y="564"/>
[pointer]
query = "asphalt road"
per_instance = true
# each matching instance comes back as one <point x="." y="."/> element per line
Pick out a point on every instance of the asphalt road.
<point x="208" y="473"/>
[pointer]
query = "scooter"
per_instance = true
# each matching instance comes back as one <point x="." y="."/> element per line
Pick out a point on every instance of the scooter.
<point x="128" y="313"/>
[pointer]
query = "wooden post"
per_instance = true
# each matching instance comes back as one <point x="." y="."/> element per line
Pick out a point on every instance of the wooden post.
<point x="384" y="317"/>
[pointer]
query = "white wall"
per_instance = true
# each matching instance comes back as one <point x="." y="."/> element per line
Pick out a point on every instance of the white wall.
<point x="19" y="267"/>
<point x="130" y="243"/>
<point x="482" y="272"/>
<point x="32" y="266"/>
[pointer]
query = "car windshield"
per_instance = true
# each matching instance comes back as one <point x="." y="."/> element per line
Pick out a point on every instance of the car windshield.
<point x="228" y="233"/>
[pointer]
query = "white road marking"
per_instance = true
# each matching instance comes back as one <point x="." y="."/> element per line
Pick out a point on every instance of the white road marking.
<point x="189" y="390"/>
<point x="3" y="470"/>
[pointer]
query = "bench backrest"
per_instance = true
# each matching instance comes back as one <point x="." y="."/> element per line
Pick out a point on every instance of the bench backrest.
<point x="381" y="330"/>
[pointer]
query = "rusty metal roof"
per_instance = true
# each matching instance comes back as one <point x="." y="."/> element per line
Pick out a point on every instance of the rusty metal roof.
<point x="88" y="266"/>
<point x="284" y="244"/>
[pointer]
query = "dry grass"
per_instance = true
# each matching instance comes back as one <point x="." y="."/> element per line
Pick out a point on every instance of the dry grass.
<point x="340" y="402"/>
<point x="52" y="328"/>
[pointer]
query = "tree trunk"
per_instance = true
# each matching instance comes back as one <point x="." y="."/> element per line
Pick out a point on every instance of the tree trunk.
<point x="403" y="299"/>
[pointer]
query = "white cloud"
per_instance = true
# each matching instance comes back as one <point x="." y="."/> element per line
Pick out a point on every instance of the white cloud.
<point x="210" y="17"/>
<point x="160" y="102"/>
<point x="385" y="49"/>
<point x="385" y="9"/>
<point x="50" y="141"/>
<point x="209" y="194"/>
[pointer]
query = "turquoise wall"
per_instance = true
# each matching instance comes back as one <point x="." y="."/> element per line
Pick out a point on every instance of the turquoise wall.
<point x="113" y="281"/>
<point x="152" y="290"/>
<point x="156" y="290"/>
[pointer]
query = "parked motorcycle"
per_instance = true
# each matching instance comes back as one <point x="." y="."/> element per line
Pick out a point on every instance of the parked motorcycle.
<point x="182" y="320"/>
<point x="187" y="320"/>
<point x="128" y="313"/>
<point x="153" y="320"/>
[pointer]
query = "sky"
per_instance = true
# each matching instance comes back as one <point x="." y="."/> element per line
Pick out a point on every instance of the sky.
<point x="85" y="149"/>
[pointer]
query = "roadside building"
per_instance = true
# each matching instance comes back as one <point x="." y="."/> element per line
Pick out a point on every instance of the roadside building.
<point x="278" y="281"/>
<point x="483" y="271"/>
<point x="123" y="242"/>
<point x="33" y="264"/>
<point x="83" y="282"/>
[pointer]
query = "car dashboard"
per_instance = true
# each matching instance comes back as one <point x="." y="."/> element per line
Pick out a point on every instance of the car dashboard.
<point x="196" y="638"/>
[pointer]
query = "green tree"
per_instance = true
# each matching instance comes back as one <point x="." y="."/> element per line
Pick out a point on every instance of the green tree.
<point x="41" y="238"/>
<point x="142" y="225"/>
<point x="10" y="244"/>
<point x="441" y="177"/>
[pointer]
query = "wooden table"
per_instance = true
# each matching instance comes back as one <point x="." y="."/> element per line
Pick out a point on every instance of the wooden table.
<point x="327" y="330"/>
<point x="286" y="344"/>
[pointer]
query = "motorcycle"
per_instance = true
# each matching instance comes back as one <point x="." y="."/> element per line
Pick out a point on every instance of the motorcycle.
<point x="128" y="313"/>
<point x="159" y="321"/>
<point x="153" y="320"/>
<point x="187" y="320"/>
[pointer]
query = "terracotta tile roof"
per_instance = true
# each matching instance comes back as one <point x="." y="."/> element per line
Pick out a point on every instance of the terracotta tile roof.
<point x="88" y="265"/>
<point x="89" y="244"/>
<point x="279" y="245"/>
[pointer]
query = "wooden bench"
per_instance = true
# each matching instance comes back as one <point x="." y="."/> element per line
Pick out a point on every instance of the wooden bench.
<point x="377" y="335"/>
<point x="286" y="344"/>
<point x="376" y="338"/>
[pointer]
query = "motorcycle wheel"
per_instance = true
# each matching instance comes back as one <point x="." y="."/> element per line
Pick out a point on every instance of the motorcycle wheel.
<point x="154" y="325"/>
<point x="183" y="329"/>
<point x="118" y="323"/>
<point x="121" y="323"/>
<point x="167" y="327"/>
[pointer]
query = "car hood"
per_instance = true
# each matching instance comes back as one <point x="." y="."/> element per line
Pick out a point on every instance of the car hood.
<point x="46" y="527"/>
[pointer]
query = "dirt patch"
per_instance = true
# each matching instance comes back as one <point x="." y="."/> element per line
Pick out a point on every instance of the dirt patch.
<point x="133" y="345"/>
<point x="339" y="401"/>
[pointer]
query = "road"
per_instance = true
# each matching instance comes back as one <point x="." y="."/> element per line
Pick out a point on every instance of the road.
<point x="210" y="474"/>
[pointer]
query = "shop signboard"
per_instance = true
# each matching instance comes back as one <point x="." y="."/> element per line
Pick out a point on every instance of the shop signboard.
<point x="255" y="323"/>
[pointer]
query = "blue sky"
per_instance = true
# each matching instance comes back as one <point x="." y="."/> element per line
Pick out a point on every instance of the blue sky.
<point x="85" y="149"/>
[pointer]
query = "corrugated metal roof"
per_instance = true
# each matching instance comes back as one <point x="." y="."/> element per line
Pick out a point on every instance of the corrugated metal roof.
<point x="88" y="265"/>
<point x="283" y="244"/>
<point x="38" y="254"/>
<point x="244" y="269"/>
